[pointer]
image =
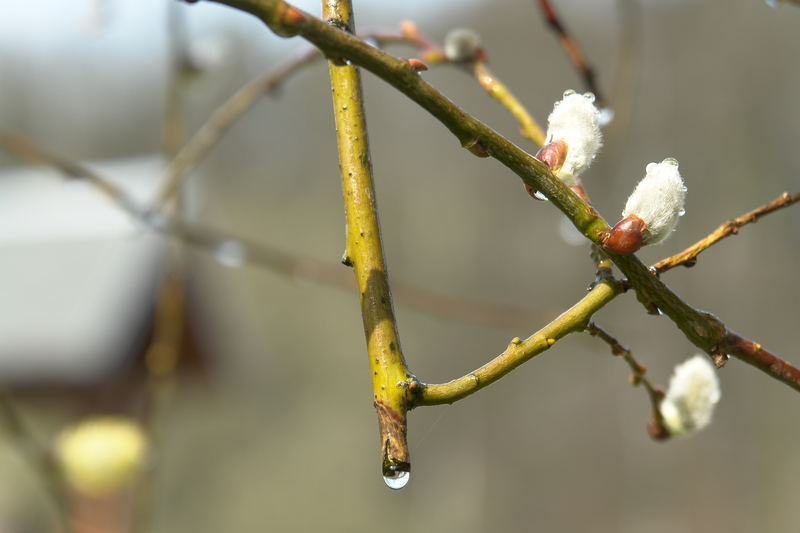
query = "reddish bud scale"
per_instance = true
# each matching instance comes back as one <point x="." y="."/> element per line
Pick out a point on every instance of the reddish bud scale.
<point x="626" y="236"/>
<point x="416" y="65"/>
<point x="553" y="154"/>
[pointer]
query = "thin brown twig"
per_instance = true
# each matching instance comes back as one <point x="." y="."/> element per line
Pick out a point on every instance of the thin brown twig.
<point x="573" y="51"/>
<point x="242" y="100"/>
<point x="688" y="257"/>
<point x="638" y="377"/>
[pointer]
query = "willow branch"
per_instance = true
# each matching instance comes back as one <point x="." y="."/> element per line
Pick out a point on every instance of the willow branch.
<point x="688" y="257"/>
<point x="572" y="49"/>
<point x="530" y="129"/>
<point x="478" y="69"/>
<point x="364" y="251"/>
<point x="638" y="377"/>
<point x="701" y="328"/>
<point x="519" y="351"/>
<point x="38" y="457"/>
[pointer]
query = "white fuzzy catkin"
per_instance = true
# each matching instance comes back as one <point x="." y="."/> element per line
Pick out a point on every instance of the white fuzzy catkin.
<point x="575" y="120"/>
<point x="658" y="200"/>
<point x="461" y="44"/>
<point x="693" y="393"/>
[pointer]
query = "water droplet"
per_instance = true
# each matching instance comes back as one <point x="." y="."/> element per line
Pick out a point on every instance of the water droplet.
<point x="671" y="161"/>
<point x="606" y="116"/>
<point x="568" y="92"/>
<point x="344" y="106"/>
<point x="348" y="62"/>
<point x="230" y="253"/>
<point x="589" y="96"/>
<point x="651" y="167"/>
<point x="681" y="212"/>
<point x="397" y="480"/>
<point x="539" y="195"/>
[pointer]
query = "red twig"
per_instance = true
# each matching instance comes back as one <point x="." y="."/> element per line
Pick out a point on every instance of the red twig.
<point x="572" y="49"/>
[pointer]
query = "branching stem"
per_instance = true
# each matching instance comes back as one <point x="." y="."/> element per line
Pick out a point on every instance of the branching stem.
<point x="519" y="351"/>
<point x="688" y="257"/>
<point x="703" y="329"/>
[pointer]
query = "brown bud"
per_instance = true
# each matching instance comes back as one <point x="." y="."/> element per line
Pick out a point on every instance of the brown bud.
<point x="416" y="65"/>
<point x="626" y="236"/>
<point x="553" y="154"/>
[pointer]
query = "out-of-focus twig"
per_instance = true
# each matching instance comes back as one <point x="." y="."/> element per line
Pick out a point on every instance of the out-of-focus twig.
<point x="274" y="259"/>
<point x="572" y="49"/>
<point x="25" y="149"/>
<point x="222" y="119"/>
<point x="688" y="257"/>
<point x="38" y="457"/>
<point x="242" y="100"/>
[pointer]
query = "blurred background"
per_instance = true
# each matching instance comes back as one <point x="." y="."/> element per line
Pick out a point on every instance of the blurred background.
<point x="267" y="424"/>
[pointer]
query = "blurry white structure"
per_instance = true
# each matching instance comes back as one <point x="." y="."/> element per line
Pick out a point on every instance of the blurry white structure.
<point x="77" y="275"/>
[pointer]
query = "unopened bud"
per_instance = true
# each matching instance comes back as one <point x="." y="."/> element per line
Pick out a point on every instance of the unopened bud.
<point x="626" y="236"/>
<point x="553" y="154"/>
<point x="462" y="45"/>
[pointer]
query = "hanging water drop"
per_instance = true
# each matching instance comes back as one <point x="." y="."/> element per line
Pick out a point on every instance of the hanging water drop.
<point x="230" y="253"/>
<point x="681" y="212"/>
<point x="397" y="480"/>
<point x="569" y="233"/>
<point x="539" y="195"/>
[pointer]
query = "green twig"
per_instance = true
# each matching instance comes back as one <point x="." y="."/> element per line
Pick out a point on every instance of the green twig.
<point x="519" y="351"/>
<point x="364" y="252"/>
